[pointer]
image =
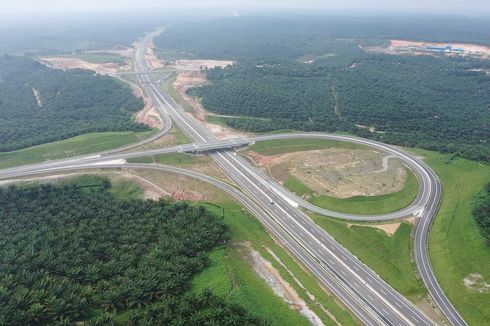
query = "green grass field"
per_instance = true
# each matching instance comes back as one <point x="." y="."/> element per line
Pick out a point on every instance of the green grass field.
<point x="171" y="158"/>
<point x="388" y="255"/>
<point x="280" y="146"/>
<point x="79" y="145"/>
<point x="456" y="245"/>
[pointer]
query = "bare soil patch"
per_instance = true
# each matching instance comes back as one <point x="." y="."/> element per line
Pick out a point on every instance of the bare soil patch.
<point x="389" y="229"/>
<point x="198" y="65"/>
<point x="76" y="63"/>
<point x="337" y="172"/>
<point x="152" y="59"/>
<point x="274" y="280"/>
<point x="125" y="52"/>
<point x="188" y="79"/>
<point x="37" y="95"/>
<point x="182" y="187"/>
<point x="476" y="281"/>
<point x="149" y="115"/>
<point x="419" y="48"/>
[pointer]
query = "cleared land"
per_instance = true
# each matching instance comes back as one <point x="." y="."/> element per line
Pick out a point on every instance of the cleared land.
<point x="203" y="164"/>
<point x="337" y="176"/>
<point x="457" y="248"/>
<point x="79" y="145"/>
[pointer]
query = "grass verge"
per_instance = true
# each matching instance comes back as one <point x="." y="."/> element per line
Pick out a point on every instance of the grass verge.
<point x="280" y="146"/>
<point x="79" y="145"/>
<point x="456" y="246"/>
<point x="388" y="255"/>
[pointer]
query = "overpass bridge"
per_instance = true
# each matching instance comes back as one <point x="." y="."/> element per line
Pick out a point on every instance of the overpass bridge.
<point x="206" y="147"/>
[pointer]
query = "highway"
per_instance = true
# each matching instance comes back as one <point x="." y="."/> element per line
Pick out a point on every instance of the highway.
<point x="371" y="299"/>
<point x="359" y="288"/>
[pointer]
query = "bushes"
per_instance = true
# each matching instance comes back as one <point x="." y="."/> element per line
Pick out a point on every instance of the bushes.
<point x="481" y="211"/>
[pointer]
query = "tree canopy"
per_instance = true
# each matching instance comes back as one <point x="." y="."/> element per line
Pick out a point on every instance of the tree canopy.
<point x="39" y="104"/>
<point x="71" y="253"/>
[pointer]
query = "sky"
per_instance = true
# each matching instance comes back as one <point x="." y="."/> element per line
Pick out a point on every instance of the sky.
<point x="43" y="7"/>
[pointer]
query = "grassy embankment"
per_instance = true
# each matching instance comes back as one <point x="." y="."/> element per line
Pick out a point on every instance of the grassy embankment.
<point x="354" y="205"/>
<point x="79" y="145"/>
<point x="456" y="246"/>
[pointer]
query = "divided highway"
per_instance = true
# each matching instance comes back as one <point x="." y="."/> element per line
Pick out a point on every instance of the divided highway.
<point x="371" y="299"/>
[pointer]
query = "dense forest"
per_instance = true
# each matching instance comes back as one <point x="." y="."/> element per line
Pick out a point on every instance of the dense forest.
<point x="481" y="211"/>
<point x="75" y="253"/>
<point x="314" y="77"/>
<point x="39" y="104"/>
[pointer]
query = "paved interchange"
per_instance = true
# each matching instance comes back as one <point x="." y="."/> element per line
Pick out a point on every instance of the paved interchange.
<point x="371" y="299"/>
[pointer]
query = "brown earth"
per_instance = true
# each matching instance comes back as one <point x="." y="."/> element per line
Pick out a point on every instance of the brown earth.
<point x="149" y="114"/>
<point x="155" y="184"/>
<point x="188" y="79"/>
<point x="126" y="52"/>
<point x="418" y="48"/>
<point x="264" y="269"/>
<point x="389" y="229"/>
<point x="336" y="172"/>
<point x="198" y="65"/>
<point x="76" y="63"/>
<point x="152" y="59"/>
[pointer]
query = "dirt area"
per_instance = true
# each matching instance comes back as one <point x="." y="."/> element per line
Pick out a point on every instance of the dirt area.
<point x="155" y="184"/>
<point x="152" y="59"/>
<point x="274" y="280"/>
<point x="425" y="305"/>
<point x="187" y="79"/>
<point x="336" y="172"/>
<point x="149" y="115"/>
<point x="419" y="48"/>
<point x="182" y="187"/>
<point x="198" y="65"/>
<point x="310" y="296"/>
<point x="76" y="63"/>
<point x="38" y="97"/>
<point x="125" y="52"/>
<point x="476" y="281"/>
<point x="389" y="229"/>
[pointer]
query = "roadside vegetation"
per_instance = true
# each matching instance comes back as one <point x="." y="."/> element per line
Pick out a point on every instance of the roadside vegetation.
<point x="388" y="255"/>
<point x="458" y="250"/>
<point x="40" y="105"/>
<point x="481" y="211"/>
<point x="78" y="145"/>
<point x="103" y="260"/>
